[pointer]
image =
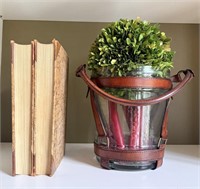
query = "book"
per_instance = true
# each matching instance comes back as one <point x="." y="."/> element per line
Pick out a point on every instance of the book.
<point x="41" y="107"/>
<point x="21" y="71"/>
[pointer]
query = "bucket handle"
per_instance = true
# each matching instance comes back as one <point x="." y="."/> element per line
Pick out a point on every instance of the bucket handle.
<point x="188" y="75"/>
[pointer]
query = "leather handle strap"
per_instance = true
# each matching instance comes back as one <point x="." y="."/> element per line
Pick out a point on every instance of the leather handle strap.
<point x="129" y="155"/>
<point x="132" y="82"/>
<point x="188" y="75"/>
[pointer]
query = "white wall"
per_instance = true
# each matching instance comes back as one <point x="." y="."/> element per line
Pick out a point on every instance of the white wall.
<point x="1" y="27"/>
<point x="162" y="11"/>
<point x="199" y="83"/>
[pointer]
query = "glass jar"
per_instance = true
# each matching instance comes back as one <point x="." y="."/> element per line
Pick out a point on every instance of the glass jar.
<point x="131" y="128"/>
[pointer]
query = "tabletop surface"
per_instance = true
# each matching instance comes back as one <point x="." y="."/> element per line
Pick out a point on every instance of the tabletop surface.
<point x="80" y="169"/>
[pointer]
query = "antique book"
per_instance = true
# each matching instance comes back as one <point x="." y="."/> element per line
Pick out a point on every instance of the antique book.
<point x="48" y="97"/>
<point x="21" y="72"/>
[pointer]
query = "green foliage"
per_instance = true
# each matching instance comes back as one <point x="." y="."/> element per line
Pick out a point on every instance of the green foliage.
<point x="126" y="45"/>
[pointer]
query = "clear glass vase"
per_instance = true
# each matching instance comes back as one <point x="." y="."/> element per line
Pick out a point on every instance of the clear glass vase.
<point x="131" y="127"/>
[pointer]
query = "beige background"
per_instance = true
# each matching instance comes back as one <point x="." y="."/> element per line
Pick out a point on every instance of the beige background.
<point x="77" y="38"/>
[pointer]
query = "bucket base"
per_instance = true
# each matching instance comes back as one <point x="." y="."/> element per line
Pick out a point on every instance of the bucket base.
<point x="125" y="165"/>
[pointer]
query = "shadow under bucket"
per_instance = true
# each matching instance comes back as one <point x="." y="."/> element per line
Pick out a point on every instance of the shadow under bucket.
<point x="132" y="122"/>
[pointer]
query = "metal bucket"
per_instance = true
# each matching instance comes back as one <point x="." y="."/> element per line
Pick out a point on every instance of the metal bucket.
<point x="132" y="123"/>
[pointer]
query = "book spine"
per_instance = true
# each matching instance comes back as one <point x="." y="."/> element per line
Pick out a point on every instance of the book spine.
<point x="33" y="59"/>
<point x="13" y="109"/>
<point x="52" y="166"/>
